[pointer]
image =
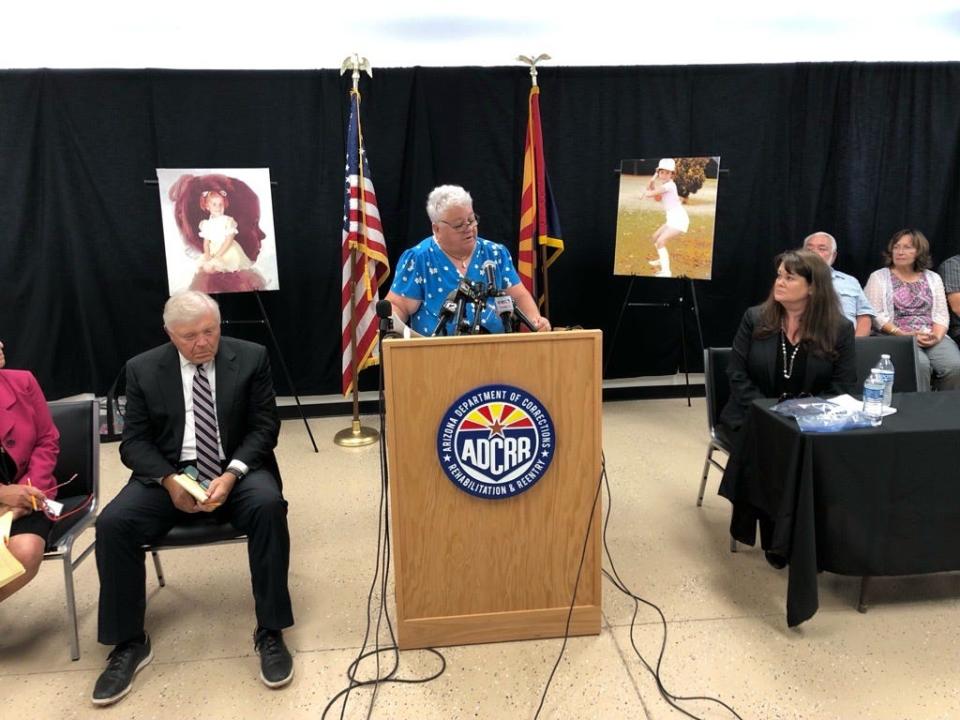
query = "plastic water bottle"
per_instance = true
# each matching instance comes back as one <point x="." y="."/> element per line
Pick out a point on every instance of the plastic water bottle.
<point x="873" y="399"/>
<point x="884" y="369"/>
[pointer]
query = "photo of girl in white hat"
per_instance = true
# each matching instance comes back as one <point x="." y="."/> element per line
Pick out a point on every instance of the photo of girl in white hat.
<point x="663" y="189"/>
<point x="666" y="216"/>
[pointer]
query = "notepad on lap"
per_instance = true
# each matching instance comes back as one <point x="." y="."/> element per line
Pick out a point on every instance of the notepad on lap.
<point x="188" y="481"/>
<point x="10" y="567"/>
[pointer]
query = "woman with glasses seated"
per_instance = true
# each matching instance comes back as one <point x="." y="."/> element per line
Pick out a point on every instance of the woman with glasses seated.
<point x="910" y="300"/>
<point x="796" y="343"/>
<point x="424" y="293"/>
<point x="29" y="445"/>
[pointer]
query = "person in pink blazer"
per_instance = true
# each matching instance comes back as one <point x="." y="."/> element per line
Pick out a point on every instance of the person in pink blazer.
<point x="29" y="444"/>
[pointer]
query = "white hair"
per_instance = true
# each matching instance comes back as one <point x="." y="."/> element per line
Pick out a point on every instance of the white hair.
<point x="187" y="305"/>
<point x="833" y="240"/>
<point x="444" y="196"/>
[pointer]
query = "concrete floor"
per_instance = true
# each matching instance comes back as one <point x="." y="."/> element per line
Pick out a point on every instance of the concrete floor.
<point x="727" y="634"/>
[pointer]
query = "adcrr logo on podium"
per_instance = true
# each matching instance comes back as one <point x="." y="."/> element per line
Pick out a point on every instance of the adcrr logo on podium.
<point x="495" y="441"/>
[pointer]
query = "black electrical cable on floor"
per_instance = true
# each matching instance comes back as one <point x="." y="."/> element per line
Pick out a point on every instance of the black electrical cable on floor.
<point x="573" y="595"/>
<point x="614" y="577"/>
<point x="381" y="572"/>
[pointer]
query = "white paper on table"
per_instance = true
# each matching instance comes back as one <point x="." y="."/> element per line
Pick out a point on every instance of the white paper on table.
<point x="848" y="402"/>
<point x="401" y="327"/>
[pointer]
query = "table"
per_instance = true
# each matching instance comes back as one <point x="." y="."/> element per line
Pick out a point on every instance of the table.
<point x="867" y="502"/>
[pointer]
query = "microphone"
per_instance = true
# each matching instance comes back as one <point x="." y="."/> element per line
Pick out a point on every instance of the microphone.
<point x="490" y="271"/>
<point x="504" y="306"/>
<point x="479" y="303"/>
<point x="466" y="293"/>
<point x="447" y="311"/>
<point x="385" y="313"/>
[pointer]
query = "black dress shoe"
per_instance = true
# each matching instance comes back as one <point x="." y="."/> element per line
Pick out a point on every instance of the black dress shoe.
<point x="777" y="561"/>
<point x="124" y="661"/>
<point x="276" y="665"/>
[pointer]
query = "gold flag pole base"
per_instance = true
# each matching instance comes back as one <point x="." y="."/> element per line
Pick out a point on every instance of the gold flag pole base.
<point x="356" y="436"/>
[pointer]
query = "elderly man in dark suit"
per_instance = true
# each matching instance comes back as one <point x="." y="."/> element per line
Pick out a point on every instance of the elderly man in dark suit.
<point x="205" y="401"/>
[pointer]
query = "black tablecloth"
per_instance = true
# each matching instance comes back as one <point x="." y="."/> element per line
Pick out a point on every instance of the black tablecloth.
<point x="874" y="501"/>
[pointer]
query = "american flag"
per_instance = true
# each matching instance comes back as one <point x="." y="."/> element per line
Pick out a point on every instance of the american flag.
<point x="539" y="223"/>
<point x="363" y="255"/>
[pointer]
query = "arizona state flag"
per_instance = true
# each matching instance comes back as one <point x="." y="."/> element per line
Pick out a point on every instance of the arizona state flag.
<point x="539" y="222"/>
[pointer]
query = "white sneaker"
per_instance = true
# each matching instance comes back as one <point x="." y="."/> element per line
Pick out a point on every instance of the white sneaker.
<point x="663" y="273"/>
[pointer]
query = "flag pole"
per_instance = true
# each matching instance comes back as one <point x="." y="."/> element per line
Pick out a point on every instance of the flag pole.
<point x="356" y="435"/>
<point x="541" y="285"/>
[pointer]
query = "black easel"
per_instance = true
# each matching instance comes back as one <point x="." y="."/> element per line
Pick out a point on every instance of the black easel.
<point x="276" y="346"/>
<point x="680" y="302"/>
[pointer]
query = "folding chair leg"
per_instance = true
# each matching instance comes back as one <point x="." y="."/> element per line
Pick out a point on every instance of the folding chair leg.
<point x="159" y="568"/>
<point x="71" y="607"/>
<point x="862" y="601"/>
<point x="703" y="478"/>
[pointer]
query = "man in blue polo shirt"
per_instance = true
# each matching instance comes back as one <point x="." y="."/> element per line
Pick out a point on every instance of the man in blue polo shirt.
<point x="949" y="270"/>
<point x="853" y="302"/>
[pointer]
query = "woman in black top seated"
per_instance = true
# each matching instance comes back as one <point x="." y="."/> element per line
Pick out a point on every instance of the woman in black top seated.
<point x="796" y="343"/>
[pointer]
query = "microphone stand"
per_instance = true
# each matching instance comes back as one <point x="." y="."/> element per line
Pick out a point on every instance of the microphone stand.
<point x="506" y="318"/>
<point x="479" y="304"/>
<point x="459" y="317"/>
<point x="441" y="329"/>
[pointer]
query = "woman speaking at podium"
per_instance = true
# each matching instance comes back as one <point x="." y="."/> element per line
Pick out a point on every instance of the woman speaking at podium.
<point x="436" y="273"/>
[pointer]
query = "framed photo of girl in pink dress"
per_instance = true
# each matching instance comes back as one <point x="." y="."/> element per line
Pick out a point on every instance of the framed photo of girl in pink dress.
<point x="218" y="230"/>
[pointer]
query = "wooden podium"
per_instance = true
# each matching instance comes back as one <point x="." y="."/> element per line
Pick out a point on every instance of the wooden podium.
<point x="471" y="569"/>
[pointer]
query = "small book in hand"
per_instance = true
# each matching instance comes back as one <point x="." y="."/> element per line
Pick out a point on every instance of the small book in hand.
<point x="10" y="567"/>
<point x="189" y="482"/>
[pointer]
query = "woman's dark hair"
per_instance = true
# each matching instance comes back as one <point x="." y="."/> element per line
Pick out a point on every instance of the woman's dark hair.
<point x="822" y="317"/>
<point x="922" y="261"/>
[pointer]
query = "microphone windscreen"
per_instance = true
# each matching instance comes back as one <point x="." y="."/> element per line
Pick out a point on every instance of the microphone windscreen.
<point x="384" y="309"/>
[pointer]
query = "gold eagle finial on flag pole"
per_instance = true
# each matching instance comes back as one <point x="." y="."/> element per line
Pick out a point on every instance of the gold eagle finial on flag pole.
<point x="356" y="64"/>
<point x="540" y="238"/>
<point x="532" y="62"/>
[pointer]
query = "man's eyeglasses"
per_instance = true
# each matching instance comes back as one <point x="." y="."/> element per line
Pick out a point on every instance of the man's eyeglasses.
<point x="465" y="225"/>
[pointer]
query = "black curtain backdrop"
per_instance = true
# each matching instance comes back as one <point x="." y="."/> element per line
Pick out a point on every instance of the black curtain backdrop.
<point x="859" y="150"/>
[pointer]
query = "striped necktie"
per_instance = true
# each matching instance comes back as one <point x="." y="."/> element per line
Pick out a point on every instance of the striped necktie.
<point x="205" y="426"/>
